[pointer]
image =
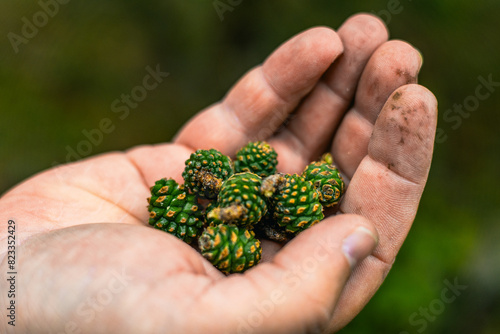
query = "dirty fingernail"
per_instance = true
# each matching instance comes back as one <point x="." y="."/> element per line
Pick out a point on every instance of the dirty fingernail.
<point x="358" y="245"/>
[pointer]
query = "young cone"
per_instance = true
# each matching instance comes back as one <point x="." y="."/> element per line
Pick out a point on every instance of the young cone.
<point x="172" y="209"/>
<point x="230" y="248"/>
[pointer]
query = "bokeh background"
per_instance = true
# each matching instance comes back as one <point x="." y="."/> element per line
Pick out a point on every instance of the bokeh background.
<point x="63" y="79"/>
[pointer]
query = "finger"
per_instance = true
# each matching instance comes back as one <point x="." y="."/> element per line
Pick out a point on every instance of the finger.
<point x="297" y="291"/>
<point x="393" y="64"/>
<point x="387" y="186"/>
<point x="310" y="131"/>
<point x="158" y="161"/>
<point x="259" y="103"/>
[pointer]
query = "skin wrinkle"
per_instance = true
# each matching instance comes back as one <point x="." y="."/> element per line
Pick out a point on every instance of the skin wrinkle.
<point x="236" y="121"/>
<point x="139" y="170"/>
<point x="112" y="203"/>
<point x="190" y="148"/>
<point x="60" y="225"/>
<point x="134" y="168"/>
<point x="361" y="116"/>
<point x="363" y="129"/>
<point x="393" y="171"/>
<point x="322" y="92"/>
<point x="297" y="144"/>
<point x="276" y="92"/>
<point x="346" y="101"/>
<point x="34" y="196"/>
<point x="144" y="152"/>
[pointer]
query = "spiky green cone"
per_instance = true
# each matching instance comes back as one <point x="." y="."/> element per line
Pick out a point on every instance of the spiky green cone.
<point x="205" y="172"/>
<point x="240" y="201"/>
<point x="295" y="204"/>
<point x="256" y="157"/>
<point x="230" y="248"/>
<point x="327" y="180"/>
<point x="172" y="209"/>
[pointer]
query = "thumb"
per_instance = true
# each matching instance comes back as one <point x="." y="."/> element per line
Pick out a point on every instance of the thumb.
<point x="298" y="290"/>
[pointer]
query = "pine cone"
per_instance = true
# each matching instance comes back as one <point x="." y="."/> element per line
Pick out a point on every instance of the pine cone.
<point x="327" y="180"/>
<point x="173" y="210"/>
<point x="240" y="201"/>
<point x="205" y="172"/>
<point x="229" y="248"/>
<point x="258" y="158"/>
<point x="295" y="204"/>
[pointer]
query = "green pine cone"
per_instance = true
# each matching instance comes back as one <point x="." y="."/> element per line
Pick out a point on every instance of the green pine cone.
<point x="240" y="201"/>
<point x="205" y="172"/>
<point x="172" y="209"/>
<point x="295" y="204"/>
<point x="230" y="248"/>
<point x="258" y="158"/>
<point x="327" y="180"/>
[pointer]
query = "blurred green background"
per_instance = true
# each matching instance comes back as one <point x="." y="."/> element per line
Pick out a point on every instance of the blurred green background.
<point x="64" y="78"/>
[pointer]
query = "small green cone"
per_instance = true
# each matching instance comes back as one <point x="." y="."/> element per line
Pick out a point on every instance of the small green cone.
<point x="230" y="248"/>
<point x="240" y="201"/>
<point x="173" y="210"/>
<point x="205" y="172"/>
<point x="327" y="180"/>
<point x="256" y="157"/>
<point x="295" y="204"/>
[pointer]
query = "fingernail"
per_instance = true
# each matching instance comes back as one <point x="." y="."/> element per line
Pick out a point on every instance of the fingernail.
<point x="358" y="245"/>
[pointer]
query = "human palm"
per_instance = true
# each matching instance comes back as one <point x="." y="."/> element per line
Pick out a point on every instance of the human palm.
<point x="88" y="262"/>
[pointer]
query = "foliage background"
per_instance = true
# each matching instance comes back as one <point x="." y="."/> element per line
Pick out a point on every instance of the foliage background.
<point x="65" y="78"/>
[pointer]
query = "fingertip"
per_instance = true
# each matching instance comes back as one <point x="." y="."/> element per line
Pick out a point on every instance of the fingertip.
<point x="416" y="97"/>
<point x="336" y="244"/>
<point x="371" y="25"/>
<point x="323" y="38"/>
<point x="327" y="39"/>
<point x="422" y="93"/>
<point x="395" y="63"/>
<point x="403" y="135"/>
<point x="410" y="54"/>
<point x="358" y="235"/>
<point x="358" y="245"/>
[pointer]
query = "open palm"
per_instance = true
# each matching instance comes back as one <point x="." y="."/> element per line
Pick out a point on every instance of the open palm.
<point x="89" y="263"/>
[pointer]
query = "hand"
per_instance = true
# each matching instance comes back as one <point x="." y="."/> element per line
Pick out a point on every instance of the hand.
<point x="88" y="262"/>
